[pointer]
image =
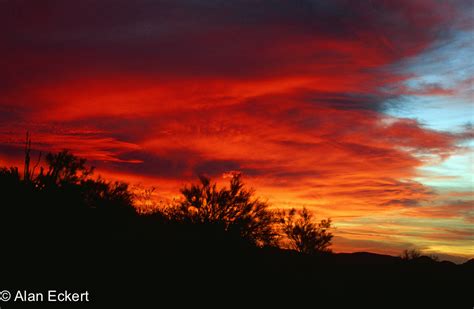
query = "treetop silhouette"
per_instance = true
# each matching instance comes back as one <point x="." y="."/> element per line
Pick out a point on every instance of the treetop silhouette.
<point x="304" y="234"/>
<point x="233" y="209"/>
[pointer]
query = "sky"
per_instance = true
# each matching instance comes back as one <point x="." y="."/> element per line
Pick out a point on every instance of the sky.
<point x="361" y="111"/>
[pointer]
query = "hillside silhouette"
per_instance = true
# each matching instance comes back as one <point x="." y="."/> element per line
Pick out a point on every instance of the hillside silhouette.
<point x="63" y="227"/>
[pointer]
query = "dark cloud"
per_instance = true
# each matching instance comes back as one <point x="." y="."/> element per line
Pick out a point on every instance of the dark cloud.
<point x="52" y="40"/>
<point x="216" y="167"/>
<point x="173" y="164"/>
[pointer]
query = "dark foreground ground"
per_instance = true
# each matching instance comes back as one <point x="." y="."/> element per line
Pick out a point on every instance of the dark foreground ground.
<point x="143" y="275"/>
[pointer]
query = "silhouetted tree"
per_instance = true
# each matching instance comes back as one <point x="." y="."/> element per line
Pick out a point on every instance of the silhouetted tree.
<point x="234" y="210"/>
<point x="304" y="234"/>
<point x="410" y="254"/>
<point x="62" y="199"/>
<point x="64" y="168"/>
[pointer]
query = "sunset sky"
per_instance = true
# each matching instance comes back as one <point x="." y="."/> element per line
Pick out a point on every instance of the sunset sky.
<point x="361" y="111"/>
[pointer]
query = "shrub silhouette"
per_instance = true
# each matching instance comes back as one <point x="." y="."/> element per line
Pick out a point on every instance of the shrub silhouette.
<point x="233" y="210"/>
<point x="62" y="200"/>
<point x="64" y="168"/>
<point x="410" y="254"/>
<point x="304" y="234"/>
